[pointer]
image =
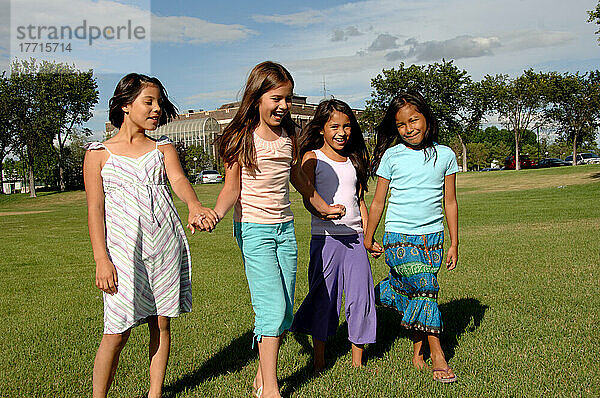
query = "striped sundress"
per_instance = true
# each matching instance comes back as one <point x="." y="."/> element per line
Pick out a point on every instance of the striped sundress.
<point x="145" y="240"/>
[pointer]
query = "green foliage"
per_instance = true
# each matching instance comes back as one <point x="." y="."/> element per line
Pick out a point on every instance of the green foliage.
<point x="520" y="102"/>
<point x="574" y="106"/>
<point x="48" y="101"/>
<point x="594" y="17"/>
<point x="457" y="102"/>
<point x="203" y="160"/>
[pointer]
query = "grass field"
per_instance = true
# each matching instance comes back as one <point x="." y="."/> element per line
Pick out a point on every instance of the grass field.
<point x="521" y="310"/>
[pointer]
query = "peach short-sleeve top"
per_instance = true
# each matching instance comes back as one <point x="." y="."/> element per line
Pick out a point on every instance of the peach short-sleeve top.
<point x="265" y="195"/>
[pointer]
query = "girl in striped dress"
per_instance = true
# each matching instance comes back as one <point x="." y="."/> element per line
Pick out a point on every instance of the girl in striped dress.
<point x="142" y="256"/>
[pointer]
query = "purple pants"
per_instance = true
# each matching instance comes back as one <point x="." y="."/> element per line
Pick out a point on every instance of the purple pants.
<point x="338" y="264"/>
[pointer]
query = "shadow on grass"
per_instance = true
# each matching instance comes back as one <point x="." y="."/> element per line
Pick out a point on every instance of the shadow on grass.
<point x="594" y="176"/>
<point x="337" y="347"/>
<point x="459" y="316"/>
<point x="232" y="358"/>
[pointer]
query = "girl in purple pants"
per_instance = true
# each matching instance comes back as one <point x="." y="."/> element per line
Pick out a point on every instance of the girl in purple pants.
<point x="334" y="157"/>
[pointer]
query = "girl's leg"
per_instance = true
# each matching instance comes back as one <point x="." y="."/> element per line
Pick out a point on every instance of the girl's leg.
<point x="159" y="348"/>
<point x="357" y="283"/>
<point x="106" y="362"/>
<point x="319" y="359"/>
<point x="438" y="360"/>
<point x="268" y="350"/>
<point x="357" y="355"/>
<point x="418" y="359"/>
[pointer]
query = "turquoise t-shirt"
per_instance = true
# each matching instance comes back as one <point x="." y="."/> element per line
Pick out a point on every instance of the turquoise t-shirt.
<point x="417" y="188"/>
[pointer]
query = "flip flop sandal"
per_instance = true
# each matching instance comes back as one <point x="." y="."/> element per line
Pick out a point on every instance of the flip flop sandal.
<point x="445" y="379"/>
<point x="257" y="392"/>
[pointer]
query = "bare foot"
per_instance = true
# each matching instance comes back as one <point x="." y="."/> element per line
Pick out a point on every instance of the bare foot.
<point x="419" y="363"/>
<point x="441" y="371"/>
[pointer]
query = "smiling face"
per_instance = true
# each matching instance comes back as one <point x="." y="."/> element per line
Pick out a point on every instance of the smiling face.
<point x="411" y="125"/>
<point x="336" y="133"/>
<point x="275" y="104"/>
<point x="144" y="112"/>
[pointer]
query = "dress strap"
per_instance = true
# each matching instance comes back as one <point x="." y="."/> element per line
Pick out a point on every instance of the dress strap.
<point x="90" y="146"/>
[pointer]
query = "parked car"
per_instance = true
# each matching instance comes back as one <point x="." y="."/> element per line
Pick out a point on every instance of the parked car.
<point x="584" y="158"/>
<point x="552" y="162"/>
<point x="524" y="161"/>
<point x="490" y="169"/>
<point x="209" y="176"/>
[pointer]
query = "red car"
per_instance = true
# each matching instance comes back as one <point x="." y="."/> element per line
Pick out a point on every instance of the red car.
<point x="524" y="161"/>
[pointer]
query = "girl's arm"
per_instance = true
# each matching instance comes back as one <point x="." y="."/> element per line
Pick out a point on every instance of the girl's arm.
<point x="364" y="213"/>
<point x="106" y="274"/>
<point x="375" y="212"/>
<point x="231" y="189"/>
<point x="451" y="208"/>
<point x="198" y="215"/>
<point x="309" y="164"/>
<point x="302" y="184"/>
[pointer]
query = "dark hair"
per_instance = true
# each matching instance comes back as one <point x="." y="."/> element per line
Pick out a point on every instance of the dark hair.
<point x="236" y="144"/>
<point x="355" y="149"/>
<point x="387" y="133"/>
<point x="127" y="90"/>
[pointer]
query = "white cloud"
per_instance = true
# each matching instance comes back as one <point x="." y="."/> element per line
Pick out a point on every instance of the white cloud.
<point x="337" y="65"/>
<point x="193" y="30"/>
<point x="303" y="18"/>
<point x="219" y="96"/>
<point x="526" y="39"/>
<point x="384" y="42"/>
<point x="464" y="46"/>
<point x="344" y="34"/>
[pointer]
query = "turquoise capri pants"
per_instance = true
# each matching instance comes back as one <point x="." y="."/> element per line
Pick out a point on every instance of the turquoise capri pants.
<point x="270" y="255"/>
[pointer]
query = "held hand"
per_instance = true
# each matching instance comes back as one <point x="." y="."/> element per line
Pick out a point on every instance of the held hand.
<point x="201" y="218"/>
<point x="373" y="247"/>
<point x="106" y="276"/>
<point x="335" y="212"/>
<point x="452" y="258"/>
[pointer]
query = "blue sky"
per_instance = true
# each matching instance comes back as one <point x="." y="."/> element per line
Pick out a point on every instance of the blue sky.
<point x="203" y="50"/>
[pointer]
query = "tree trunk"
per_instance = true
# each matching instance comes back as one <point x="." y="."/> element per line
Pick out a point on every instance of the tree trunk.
<point x="464" y="153"/>
<point x="31" y="176"/>
<point x="574" y="149"/>
<point x="517" y="162"/>
<point x="1" y="176"/>
<point x="61" y="179"/>
<point x="31" y="183"/>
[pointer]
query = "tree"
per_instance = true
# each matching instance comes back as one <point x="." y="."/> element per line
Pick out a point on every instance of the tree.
<point x="33" y="113"/>
<point x="457" y="102"/>
<point x="594" y="16"/>
<point x="203" y="160"/>
<point x="575" y="106"/>
<point x="519" y="102"/>
<point x="6" y="125"/>
<point x="75" y="96"/>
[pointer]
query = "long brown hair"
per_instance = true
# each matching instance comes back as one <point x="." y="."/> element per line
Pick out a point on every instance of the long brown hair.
<point x="355" y="149"/>
<point x="127" y="90"/>
<point x="236" y="144"/>
<point x="387" y="132"/>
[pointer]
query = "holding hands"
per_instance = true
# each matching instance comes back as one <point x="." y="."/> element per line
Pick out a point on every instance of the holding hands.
<point x="373" y="247"/>
<point x="201" y="218"/>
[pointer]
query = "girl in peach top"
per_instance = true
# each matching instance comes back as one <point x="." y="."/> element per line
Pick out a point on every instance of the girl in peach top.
<point x="259" y="151"/>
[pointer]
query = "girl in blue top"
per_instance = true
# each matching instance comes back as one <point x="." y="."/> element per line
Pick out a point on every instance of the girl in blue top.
<point x="420" y="173"/>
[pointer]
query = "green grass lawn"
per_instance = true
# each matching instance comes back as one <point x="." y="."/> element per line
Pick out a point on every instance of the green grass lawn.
<point x="521" y="310"/>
